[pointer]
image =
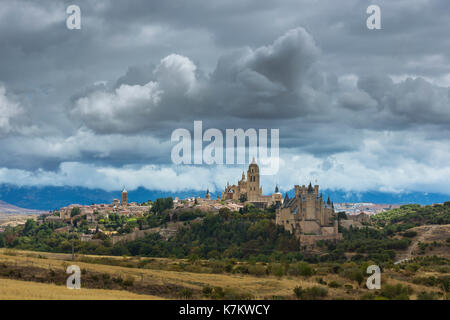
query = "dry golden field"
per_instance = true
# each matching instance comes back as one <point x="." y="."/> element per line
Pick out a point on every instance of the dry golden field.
<point x="26" y="290"/>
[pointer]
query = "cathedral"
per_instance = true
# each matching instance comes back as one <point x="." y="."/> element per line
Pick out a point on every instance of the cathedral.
<point x="249" y="190"/>
<point x="308" y="217"/>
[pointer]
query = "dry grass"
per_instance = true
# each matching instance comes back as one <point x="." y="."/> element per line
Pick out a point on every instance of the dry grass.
<point x="25" y="290"/>
<point x="258" y="287"/>
<point x="264" y="287"/>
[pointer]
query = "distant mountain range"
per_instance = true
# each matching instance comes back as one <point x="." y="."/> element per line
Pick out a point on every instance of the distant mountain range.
<point x="50" y="198"/>
<point x="9" y="209"/>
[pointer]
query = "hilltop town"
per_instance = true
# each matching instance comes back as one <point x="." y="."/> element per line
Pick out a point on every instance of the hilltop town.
<point x="307" y="215"/>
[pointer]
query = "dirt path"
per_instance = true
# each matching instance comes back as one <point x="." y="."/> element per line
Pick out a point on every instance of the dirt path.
<point x="415" y="243"/>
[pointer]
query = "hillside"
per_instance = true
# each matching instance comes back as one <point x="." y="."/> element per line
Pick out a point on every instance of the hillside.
<point x="136" y="278"/>
<point x="427" y="240"/>
<point x="11" y="215"/>
<point x="6" y="208"/>
<point x="413" y="215"/>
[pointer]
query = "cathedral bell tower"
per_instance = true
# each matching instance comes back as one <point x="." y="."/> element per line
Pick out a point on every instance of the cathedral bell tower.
<point x="253" y="188"/>
<point x="123" y="197"/>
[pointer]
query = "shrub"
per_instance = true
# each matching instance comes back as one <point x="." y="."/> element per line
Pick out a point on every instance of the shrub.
<point x="257" y="270"/>
<point x="368" y="296"/>
<point x="298" y="291"/>
<point x="276" y="270"/>
<point x="128" y="282"/>
<point x="240" y="269"/>
<point x="412" y="267"/>
<point x="445" y="283"/>
<point x="305" y="269"/>
<point x="354" y="274"/>
<point x="218" y="293"/>
<point x="207" y="290"/>
<point x="396" y="292"/>
<point x="301" y="269"/>
<point x="186" y="293"/>
<point x="312" y="293"/>
<point x="410" y="234"/>
<point x="105" y="276"/>
<point x="427" y="295"/>
<point x="334" y="284"/>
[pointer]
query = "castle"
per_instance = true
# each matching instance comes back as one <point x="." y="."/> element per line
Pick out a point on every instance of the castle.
<point x="308" y="217"/>
<point x="249" y="190"/>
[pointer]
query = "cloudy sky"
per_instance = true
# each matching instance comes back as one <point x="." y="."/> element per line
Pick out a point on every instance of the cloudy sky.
<point x="357" y="109"/>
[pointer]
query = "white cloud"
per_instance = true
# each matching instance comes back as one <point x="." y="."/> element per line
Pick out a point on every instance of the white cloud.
<point x="131" y="108"/>
<point x="176" y="74"/>
<point x="382" y="164"/>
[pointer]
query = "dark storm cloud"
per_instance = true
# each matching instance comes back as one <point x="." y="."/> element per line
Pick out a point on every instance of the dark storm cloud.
<point x="273" y="82"/>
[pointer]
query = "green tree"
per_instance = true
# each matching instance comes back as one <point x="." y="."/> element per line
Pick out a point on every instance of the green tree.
<point x="162" y="204"/>
<point x="30" y="227"/>
<point x="75" y="211"/>
<point x="225" y="213"/>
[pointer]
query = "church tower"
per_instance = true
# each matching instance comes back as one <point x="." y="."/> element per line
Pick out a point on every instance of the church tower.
<point x="254" y="191"/>
<point x="123" y="197"/>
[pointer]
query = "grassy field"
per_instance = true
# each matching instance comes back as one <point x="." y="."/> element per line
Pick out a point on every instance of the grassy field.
<point x="26" y="290"/>
<point x="26" y="275"/>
